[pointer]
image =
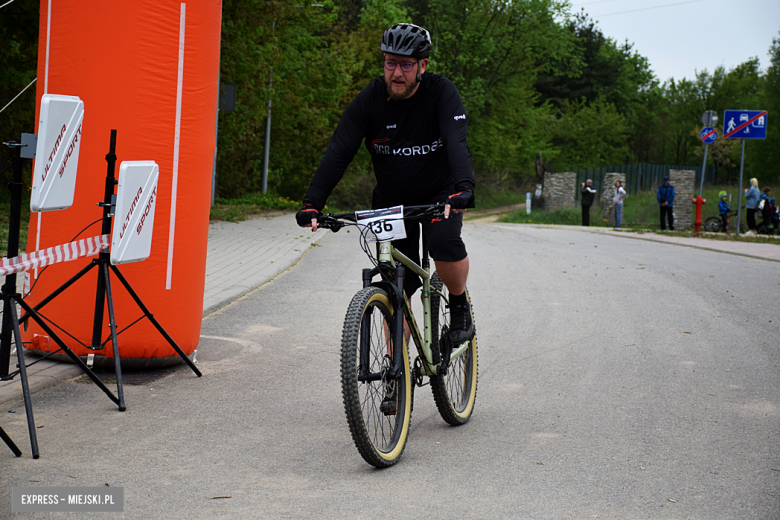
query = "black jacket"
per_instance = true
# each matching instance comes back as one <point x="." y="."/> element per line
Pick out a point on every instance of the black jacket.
<point x="418" y="145"/>
<point x="588" y="193"/>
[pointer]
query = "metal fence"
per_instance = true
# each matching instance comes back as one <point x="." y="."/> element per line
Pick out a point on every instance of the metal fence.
<point x="639" y="177"/>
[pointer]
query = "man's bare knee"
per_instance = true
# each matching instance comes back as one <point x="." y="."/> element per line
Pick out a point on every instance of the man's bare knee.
<point x="454" y="274"/>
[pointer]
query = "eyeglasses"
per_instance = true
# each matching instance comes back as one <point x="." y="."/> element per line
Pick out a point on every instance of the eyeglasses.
<point x="406" y="66"/>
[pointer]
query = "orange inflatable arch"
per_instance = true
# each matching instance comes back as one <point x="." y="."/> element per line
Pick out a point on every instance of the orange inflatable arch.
<point x="150" y="70"/>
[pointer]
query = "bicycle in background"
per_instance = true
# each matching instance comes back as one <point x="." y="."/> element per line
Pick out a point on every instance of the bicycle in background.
<point x="726" y="223"/>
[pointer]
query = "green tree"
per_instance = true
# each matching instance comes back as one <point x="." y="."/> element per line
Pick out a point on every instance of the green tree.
<point x="599" y="68"/>
<point x="248" y="53"/>
<point x="593" y="72"/>
<point x="682" y="109"/>
<point x="483" y="46"/>
<point x="493" y="52"/>
<point x="763" y="157"/>
<point x="264" y="41"/>
<point x="18" y="67"/>
<point x="588" y="135"/>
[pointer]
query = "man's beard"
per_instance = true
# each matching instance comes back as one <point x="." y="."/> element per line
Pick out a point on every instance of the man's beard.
<point x="396" y="96"/>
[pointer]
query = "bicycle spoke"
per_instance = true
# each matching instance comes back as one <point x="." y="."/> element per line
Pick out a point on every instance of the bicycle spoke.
<point x="379" y="427"/>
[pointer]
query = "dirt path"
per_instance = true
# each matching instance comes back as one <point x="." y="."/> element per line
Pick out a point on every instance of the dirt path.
<point x="492" y="214"/>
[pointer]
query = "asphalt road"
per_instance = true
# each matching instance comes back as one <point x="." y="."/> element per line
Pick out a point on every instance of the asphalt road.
<point x="618" y="379"/>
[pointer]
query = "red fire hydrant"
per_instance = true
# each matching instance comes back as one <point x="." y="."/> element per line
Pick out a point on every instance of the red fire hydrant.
<point x="697" y="221"/>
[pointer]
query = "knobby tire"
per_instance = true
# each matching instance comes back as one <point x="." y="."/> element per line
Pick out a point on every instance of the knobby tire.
<point x="455" y="392"/>
<point x="380" y="438"/>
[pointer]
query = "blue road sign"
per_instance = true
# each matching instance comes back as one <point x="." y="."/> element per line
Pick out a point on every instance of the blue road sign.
<point x="709" y="134"/>
<point x="744" y="124"/>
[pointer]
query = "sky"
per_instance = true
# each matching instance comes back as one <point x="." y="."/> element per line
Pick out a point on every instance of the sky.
<point x="681" y="37"/>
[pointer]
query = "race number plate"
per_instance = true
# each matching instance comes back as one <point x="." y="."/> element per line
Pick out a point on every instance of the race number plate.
<point x="381" y="225"/>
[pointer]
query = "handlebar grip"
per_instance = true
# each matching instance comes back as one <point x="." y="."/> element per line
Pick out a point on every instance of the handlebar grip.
<point x="328" y="222"/>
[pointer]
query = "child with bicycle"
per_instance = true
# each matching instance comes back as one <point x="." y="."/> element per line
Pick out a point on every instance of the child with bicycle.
<point x="724" y="210"/>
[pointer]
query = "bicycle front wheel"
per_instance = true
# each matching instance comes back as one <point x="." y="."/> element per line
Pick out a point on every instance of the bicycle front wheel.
<point x="378" y="408"/>
<point x="713" y="224"/>
<point x="455" y="392"/>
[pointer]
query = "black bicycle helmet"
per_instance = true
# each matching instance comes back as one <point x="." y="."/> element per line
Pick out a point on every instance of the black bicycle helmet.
<point x="406" y="39"/>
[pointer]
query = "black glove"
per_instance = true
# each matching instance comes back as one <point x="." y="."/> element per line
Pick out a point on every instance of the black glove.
<point x="461" y="200"/>
<point x="305" y="214"/>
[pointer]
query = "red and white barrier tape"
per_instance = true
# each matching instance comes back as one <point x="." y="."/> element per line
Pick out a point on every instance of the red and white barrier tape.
<point x="53" y="255"/>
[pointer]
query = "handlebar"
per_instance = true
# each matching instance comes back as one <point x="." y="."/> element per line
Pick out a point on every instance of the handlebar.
<point x="335" y="221"/>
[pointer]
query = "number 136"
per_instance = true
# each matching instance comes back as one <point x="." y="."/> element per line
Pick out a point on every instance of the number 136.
<point x="380" y="225"/>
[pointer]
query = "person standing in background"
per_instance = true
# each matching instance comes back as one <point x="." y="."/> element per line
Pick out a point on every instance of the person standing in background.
<point x="763" y="205"/>
<point x="751" y="197"/>
<point x="588" y="194"/>
<point x="617" y="201"/>
<point x="665" y="198"/>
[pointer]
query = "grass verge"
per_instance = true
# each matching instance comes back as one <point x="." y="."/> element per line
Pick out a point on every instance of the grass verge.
<point x="639" y="211"/>
<point x="488" y="197"/>
<point x="235" y="210"/>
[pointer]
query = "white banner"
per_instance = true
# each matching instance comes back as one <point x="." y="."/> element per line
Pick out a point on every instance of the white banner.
<point x="136" y="198"/>
<point x="57" y="153"/>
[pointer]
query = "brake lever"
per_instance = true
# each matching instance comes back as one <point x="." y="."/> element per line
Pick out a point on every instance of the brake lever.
<point x="328" y="222"/>
<point x="436" y="210"/>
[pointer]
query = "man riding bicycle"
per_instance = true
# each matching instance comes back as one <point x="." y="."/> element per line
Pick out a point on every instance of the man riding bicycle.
<point x="414" y="126"/>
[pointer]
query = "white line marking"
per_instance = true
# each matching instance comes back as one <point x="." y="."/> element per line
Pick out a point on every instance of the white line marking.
<point x="177" y="134"/>
<point x="45" y="91"/>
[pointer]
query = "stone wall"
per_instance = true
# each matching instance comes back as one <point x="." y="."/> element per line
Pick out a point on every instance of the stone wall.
<point x="607" y="211"/>
<point x="558" y="190"/>
<point x="684" y="182"/>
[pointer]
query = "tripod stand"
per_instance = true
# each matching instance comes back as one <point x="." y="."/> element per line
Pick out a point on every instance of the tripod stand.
<point x="103" y="298"/>
<point x="9" y="298"/>
<point x="11" y="320"/>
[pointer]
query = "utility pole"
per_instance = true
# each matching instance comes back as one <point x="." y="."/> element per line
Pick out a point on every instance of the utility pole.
<point x="267" y="147"/>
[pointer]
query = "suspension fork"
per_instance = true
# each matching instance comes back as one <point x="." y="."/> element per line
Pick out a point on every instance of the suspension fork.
<point x="398" y="324"/>
<point x="365" y="331"/>
<point x="396" y="328"/>
<point x="394" y="274"/>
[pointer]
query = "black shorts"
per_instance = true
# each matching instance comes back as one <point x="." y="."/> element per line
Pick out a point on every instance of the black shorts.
<point x="442" y="236"/>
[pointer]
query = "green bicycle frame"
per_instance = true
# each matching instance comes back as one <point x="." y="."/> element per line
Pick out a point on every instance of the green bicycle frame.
<point x="387" y="253"/>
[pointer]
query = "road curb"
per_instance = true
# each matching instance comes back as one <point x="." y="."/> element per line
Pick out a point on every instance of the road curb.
<point x="632" y="235"/>
<point x="271" y="271"/>
<point x="695" y="246"/>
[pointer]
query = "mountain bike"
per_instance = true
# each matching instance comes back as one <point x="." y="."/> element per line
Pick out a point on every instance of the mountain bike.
<point x="377" y="380"/>
<point x="726" y="224"/>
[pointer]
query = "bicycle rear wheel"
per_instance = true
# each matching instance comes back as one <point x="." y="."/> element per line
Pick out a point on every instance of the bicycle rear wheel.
<point x="733" y="225"/>
<point x="378" y="409"/>
<point x="455" y="392"/>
